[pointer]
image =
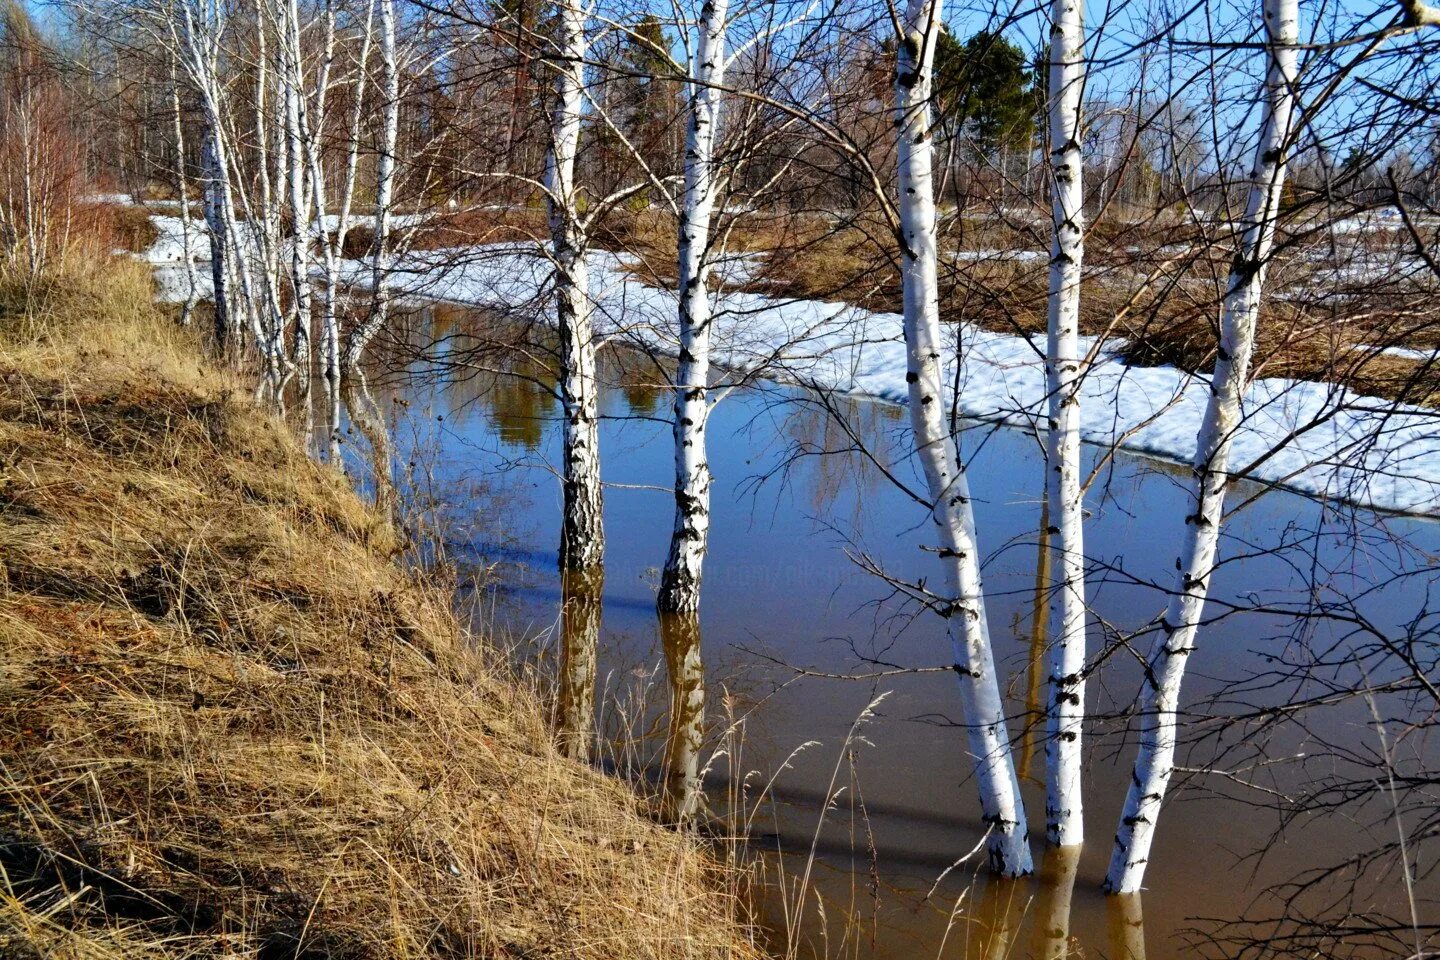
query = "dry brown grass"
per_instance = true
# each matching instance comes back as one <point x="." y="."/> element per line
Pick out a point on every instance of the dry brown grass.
<point x="481" y="225"/>
<point x="232" y="726"/>
<point x="131" y="226"/>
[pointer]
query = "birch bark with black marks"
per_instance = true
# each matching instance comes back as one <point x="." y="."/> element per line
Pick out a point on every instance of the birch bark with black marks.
<point x="582" y="538"/>
<point x="197" y="41"/>
<point x="297" y="182"/>
<point x="689" y="540"/>
<point x="376" y="319"/>
<point x="312" y="119"/>
<point x="983" y="709"/>
<point x="187" y="229"/>
<point x="1165" y="665"/>
<point x="267" y="211"/>
<point x="1065" y="708"/>
<point x="335" y="242"/>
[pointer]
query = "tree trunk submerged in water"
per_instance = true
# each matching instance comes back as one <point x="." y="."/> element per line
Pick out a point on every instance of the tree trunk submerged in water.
<point x="684" y="566"/>
<point x="683" y="797"/>
<point x="368" y="418"/>
<point x="580" y="607"/>
<point x="984" y="711"/>
<point x="582" y="538"/>
<point x="1125" y="927"/>
<point x="1065" y="711"/>
<point x="1165" y="668"/>
<point x="1057" y="895"/>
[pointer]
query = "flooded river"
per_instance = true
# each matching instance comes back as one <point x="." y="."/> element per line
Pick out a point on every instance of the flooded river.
<point x="790" y="619"/>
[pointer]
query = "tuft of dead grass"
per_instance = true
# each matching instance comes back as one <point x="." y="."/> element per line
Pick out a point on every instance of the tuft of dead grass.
<point x="233" y="726"/>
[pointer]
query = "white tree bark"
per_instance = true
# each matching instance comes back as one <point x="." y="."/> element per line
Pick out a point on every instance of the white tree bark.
<point x="1065" y="709"/>
<point x="309" y="118"/>
<point x="335" y="242"/>
<point x="301" y="218"/>
<point x="984" y="711"/>
<point x="311" y="122"/>
<point x="1160" y="693"/>
<point x="582" y="539"/>
<point x="366" y="331"/>
<point x="680" y="582"/>
<point x="192" y="281"/>
<point x="196" y="33"/>
<point x="267" y="212"/>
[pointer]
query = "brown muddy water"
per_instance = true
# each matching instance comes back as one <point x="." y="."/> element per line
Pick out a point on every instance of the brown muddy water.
<point x="870" y="820"/>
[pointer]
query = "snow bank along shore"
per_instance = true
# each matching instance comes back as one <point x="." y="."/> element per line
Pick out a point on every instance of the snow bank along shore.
<point x="1317" y="438"/>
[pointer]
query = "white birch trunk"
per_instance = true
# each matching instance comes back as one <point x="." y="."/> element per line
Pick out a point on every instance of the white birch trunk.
<point x="582" y="539"/>
<point x="680" y="582"/>
<point x="1160" y="693"/>
<point x="235" y="244"/>
<point x="311" y="124"/>
<point x="1065" y="710"/>
<point x="269" y="208"/>
<point x="267" y="212"/>
<point x="197" y="43"/>
<point x="192" y="282"/>
<point x="984" y="711"/>
<point x="335" y="244"/>
<point x="301" y="218"/>
<point x="361" y="335"/>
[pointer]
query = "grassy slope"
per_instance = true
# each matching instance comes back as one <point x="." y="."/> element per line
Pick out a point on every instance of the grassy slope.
<point x="230" y="725"/>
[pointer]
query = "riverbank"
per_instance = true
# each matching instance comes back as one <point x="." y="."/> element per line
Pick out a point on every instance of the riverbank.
<point x="1312" y="437"/>
<point x="232" y="724"/>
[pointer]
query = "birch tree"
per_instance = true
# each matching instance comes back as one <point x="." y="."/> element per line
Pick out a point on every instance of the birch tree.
<point x="680" y="582"/>
<point x="582" y="539"/>
<point x="268" y="205"/>
<point x="974" y="661"/>
<point x="213" y="177"/>
<point x="1064" y="822"/>
<point x="309" y="192"/>
<point x="683" y="797"/>
<point x="1175" y="641"/>
<point x="297" y="181"/>
<point x="580" y="613"/>
<point x="334" y="241"/>
<point x="197" y="30"/>
<point x="182" y="193"/>
<point x="381" y="247"/>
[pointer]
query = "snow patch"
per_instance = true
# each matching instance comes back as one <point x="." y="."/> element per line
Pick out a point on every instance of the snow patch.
<point x="1318" y="438"/>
